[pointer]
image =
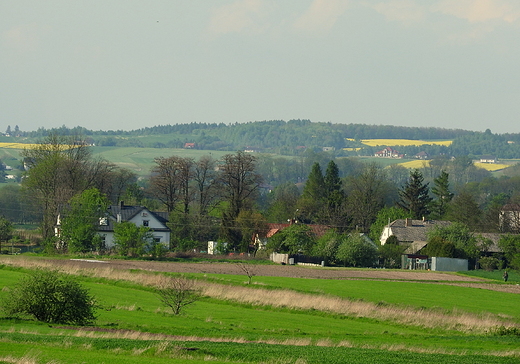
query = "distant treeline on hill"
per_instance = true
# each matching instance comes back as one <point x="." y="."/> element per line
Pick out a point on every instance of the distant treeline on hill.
<point x="291" y="137"/>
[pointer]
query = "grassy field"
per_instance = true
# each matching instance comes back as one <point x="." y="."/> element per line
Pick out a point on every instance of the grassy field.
<point x="140" y="160"/>
<point x="275" y="320"/>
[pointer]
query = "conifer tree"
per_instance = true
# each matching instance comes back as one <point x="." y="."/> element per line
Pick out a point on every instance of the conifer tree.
<point x="333" y="191"/>
<point x="414" y="195"/>
<point x="313" y="200"/>
<point x="441" y="190"/>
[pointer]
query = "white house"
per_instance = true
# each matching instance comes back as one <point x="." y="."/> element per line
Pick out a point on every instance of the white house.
<point x="138" y="215"/>
<point x="411" y="232"/>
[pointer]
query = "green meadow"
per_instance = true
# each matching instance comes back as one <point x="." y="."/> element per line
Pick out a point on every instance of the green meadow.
<point x="238" y="323"/>
<point x="141" y="160"/>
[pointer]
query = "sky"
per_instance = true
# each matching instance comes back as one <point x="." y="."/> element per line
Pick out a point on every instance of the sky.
<point x="128" y="64"/>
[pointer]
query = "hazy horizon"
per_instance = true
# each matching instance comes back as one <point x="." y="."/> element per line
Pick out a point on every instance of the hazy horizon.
<point x="124" y="65"/>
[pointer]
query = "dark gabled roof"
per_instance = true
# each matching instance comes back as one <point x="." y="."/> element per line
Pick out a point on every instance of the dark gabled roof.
<point x="511" y="207"/>
<point x="416" y="229"/>
<point x="127" y="213"/>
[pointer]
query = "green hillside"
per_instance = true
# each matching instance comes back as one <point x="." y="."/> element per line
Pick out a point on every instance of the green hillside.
<point x="416" y="322"/>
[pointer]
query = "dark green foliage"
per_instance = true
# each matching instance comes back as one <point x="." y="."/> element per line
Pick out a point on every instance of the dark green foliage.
<point x="489" y="263"/>
<point x="295" y="239"/>
<point x="392" y="240"/>
<point x="313" y="199"/>
<point x="464" y="242"/>
<point x="333" y="191"/>
<point x="80" y="220"/>
<point x="506" y="331"/>
<point x="356" y="251"/>
<point x="327" y="246"/>
<point x="443" y="195"/>
<point x="414" y="196"/>
<point x="510" y="244"/>
<point x="366" y="195"/>
<point x="282" y="203"/>
<point x="465" y="209"/>
<point x="51" y="296"/>
<point x="439" y="247"/>
<point x="14" y="206"/>
<point x="6" y="231"/>
<point x="390" y="253"/>
<point x="131" y="239"/>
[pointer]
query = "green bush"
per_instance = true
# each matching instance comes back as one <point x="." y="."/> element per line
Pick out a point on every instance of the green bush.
<point x="489" y="263"/>
<point x="51" y="296"/>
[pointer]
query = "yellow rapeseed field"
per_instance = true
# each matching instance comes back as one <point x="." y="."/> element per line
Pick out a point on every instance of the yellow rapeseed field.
<point x="487" y="166"/>
<point x="405" y="142"/>
<point x="492" y="166"/>
<point x="415" y="164"/>
<point x="351" y="149"/>
<point x="28" y="146"/>
<point x="18" y="145"/>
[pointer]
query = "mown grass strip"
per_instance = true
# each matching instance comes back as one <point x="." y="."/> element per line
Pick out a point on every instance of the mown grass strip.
<point x="105" y="350"/>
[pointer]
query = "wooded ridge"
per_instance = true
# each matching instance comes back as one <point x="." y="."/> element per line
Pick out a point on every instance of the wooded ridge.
<point x="293" y="136"/>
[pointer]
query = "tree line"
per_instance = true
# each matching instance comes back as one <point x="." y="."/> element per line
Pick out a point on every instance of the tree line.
<point x="230" y="199"/>
<point x="289" y="137"/>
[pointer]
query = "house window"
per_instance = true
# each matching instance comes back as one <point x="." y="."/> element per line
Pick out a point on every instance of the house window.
<point x="146" y="222"/>
<point x="156" y="239"/>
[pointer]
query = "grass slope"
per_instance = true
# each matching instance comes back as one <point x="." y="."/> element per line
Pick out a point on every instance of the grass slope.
<point x="132" y="326"/>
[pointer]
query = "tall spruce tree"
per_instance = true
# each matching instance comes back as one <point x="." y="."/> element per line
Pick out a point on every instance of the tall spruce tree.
<point x="313" y="198"/>
<point x="314" y="187"/>
<point x="334" y="212"/>
<point x="333" y="191"/>
<point x="414" y="195"/>
<point x="443" y="196"/>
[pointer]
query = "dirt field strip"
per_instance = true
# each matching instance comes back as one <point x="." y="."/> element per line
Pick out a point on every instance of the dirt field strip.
<point x="274" y="271"/>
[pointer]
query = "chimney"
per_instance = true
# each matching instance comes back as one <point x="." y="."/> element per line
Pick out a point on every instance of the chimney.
<point x="408" y="222"/>
<point x="121" y="204"/>
<point x="118" y="217"/>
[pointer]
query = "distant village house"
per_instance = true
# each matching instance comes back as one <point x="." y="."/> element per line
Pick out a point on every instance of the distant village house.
<point x="388" y="152"/>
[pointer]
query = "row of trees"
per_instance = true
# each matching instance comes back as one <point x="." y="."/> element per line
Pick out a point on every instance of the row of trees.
<point x="207" y="198"/>
<point x="286" y="137"/>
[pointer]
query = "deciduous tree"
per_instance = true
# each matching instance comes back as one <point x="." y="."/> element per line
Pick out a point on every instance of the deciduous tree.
<point x="177" y="293"/>
<point x="80" y="221"/>
<point x="356" y="251"/>
<point x="170" y="180"/>
<point x="510" y="244"/>
<point x="239" y="184"/>
<point x="295" y="239"/>
<point x="6" y="231"/>
<point x="131" y="239"/>
<point x="60" y="167"/>
<point x="366" y="195"/>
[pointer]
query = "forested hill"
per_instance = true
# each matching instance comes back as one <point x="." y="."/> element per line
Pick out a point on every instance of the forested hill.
<point x="289" y="137"/>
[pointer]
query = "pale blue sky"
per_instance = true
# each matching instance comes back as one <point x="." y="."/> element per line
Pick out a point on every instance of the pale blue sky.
<point x="128" y="64"/>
